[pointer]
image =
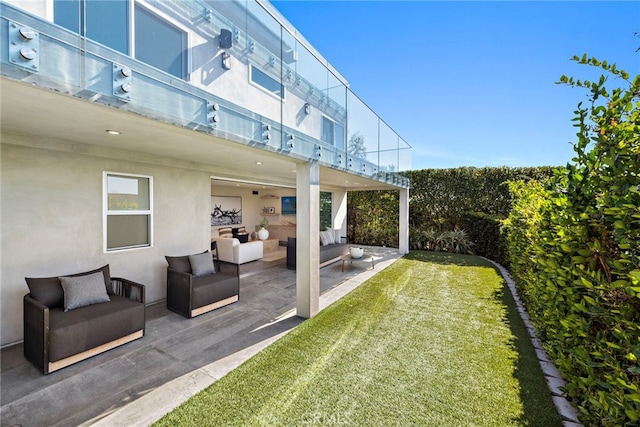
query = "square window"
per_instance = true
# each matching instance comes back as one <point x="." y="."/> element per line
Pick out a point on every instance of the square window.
<point x="128" y="214"/>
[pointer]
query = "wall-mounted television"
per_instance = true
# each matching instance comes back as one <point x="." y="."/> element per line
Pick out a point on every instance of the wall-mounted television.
<point x="288" y="205"/>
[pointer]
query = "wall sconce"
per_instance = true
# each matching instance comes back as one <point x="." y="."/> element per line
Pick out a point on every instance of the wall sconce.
<point x="226" y="61"/>
<point x="307" y="108"/>
<point x="225" y="41"/>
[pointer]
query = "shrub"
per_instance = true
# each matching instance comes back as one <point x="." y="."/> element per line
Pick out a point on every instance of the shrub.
<point x="581" y="233"/>
<point x="485" y="233"/>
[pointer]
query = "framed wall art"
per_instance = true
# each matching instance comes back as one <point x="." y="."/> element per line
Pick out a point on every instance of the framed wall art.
<point x="226" y="210"/>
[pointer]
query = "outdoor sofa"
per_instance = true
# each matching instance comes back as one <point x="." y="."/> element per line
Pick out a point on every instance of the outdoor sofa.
<point x="71" y="318"/>
<point x="197" y="284"/>
<point x="331" y="249"/>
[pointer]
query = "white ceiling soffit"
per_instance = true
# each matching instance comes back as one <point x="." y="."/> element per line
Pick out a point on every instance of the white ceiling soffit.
<point x="40" y="116"/>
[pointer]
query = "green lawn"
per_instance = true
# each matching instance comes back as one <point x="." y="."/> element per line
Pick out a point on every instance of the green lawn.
<point x="433" y="340"/>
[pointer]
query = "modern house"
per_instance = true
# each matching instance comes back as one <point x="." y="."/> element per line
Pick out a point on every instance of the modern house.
<point x="151" y="102"/>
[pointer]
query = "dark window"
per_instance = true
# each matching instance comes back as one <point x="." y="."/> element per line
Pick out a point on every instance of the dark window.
<point x="267" y="82"/>
<point x="103" y="21"/>
<point x="160" y="44"/>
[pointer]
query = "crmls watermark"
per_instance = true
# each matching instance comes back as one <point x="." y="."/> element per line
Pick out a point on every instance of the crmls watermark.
<point x="318" y="418"/>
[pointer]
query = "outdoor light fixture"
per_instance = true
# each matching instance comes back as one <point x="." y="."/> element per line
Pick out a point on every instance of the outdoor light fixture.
<point x="226" y="61"/>
<point x="318" y="151"/>
<point x="112" y="132"/>
<point x="290" y="143"/>
<point x="307" y="108"/>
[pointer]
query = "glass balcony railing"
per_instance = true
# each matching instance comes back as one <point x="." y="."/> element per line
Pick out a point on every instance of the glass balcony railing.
<point x="232" y="68"/>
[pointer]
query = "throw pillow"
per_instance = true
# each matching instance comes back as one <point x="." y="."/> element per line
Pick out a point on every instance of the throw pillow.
<point x="202" y="264"/>
<point x="46" y="290"/>
<point x="179" y="263"/>
<point x="326" y="238"/>
<point x="80" y="291"/>
<point x="49" y="292"/>
<point x="226" y="232"/>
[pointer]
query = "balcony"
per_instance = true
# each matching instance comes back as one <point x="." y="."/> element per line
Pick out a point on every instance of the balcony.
<point x="243" y="75"/>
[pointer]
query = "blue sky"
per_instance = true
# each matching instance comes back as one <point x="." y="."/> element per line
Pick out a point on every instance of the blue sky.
<point x="472" y="83"/>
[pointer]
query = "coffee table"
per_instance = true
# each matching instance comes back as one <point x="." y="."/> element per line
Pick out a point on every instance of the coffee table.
<point x="350" y="259"/>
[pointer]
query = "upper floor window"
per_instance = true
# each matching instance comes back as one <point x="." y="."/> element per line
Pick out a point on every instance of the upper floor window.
<point x="332" y="133"/>
<point x="266" y="82"/>
<point x="160" y="44"/>
<point x="128" y="212"/>
<point x="155" y="41"/>
<point x="104" y="21"/>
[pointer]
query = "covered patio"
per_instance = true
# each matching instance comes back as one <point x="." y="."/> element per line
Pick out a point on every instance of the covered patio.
<point x="137" y="383"/>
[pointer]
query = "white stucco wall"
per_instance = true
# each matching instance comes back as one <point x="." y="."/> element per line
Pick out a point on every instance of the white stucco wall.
<point x="51" y="208"/>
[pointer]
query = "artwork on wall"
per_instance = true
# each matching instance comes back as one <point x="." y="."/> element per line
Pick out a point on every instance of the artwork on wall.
<point x="226" y="210"/>
<point x="289" y="205"/>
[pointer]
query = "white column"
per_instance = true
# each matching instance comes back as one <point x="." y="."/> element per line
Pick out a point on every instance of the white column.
<point x="404" y="222"/>
<point x="307" y="239"/>
<point x="339" y="212"/>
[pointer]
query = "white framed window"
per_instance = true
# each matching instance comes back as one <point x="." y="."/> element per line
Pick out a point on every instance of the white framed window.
<point x="332" y="132"/>
<point x="264" y="81"/>
<point x="128" y="211"/>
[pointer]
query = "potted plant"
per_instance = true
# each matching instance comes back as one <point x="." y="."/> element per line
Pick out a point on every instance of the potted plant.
<point x="263" y="233"/>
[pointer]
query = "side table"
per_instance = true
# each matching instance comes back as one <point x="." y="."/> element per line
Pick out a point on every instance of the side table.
<point x="350" y="259"/>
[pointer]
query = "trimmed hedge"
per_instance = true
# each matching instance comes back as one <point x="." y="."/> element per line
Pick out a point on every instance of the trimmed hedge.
<point x="574" y="250"/>
<point x="441" y="200"/>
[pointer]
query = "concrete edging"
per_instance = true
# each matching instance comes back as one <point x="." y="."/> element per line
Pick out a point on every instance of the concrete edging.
<point x="554" y="379"/>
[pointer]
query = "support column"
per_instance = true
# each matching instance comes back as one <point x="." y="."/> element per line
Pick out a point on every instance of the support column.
<point x="307" y="239"/>
<point x="403" y="239"/>
<point x="339" y="213"/>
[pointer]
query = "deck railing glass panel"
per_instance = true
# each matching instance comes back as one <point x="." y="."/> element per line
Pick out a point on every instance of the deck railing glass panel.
<point x="230" y="68"/>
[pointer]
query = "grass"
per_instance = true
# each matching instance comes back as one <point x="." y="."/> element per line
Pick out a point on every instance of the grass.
<point x="433" y="340"/>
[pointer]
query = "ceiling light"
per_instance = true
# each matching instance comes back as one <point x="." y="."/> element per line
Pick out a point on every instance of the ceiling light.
<point x="258" y="163"/>
<point x="112" y="132"/>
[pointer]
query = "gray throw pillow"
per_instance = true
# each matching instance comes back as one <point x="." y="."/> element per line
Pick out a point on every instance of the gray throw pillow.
<point x="80" y="291"/>
<point x="202" y="264"/>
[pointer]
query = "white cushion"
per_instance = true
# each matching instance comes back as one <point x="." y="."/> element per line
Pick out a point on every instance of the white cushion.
<point x="327" y="237"/>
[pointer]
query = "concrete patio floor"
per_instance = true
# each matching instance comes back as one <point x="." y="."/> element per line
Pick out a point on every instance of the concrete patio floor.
<point x="136" y="384"/>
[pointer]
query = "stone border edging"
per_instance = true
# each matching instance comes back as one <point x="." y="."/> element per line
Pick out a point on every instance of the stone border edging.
<point x="551" y="374"/>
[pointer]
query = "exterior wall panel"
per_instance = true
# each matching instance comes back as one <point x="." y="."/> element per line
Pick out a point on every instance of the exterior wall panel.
<point x="52" y="222"/>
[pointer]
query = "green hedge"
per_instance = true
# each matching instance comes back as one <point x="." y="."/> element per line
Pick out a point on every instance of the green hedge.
<point x="574" y="250"/>
<point x="441" y="201"/>
<point x="485" y="233"/>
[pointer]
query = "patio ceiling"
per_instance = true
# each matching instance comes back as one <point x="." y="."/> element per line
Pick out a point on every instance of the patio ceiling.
<point x="36" y="115"/>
